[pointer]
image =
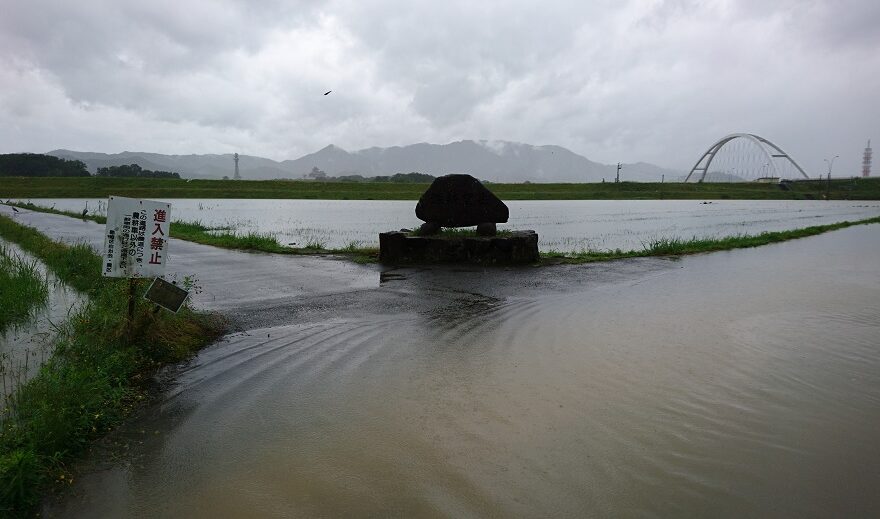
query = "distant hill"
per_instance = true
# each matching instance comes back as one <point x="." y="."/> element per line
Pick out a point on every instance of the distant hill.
<point x="189" y="166"/>
<point x="496" y="161"/>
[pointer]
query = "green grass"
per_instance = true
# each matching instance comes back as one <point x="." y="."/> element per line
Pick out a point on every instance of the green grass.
<point x="97" y="374"/>
<point x="198" y="233"/>
<point x="100" y="187"/>
<point x="76" y="265"/>
<point x="34" y="207"/>
<point x="22" y="289"/>
<point x="679" y="247"/>
<point x="224" y="237"/>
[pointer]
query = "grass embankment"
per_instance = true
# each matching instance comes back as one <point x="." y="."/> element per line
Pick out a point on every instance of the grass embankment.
<point x="96" y="376"/>
<point x="51" y="210"/>
<point x="223" y="237"/>
<point x="680" y="247"/>
<point x="23" y="288"/>
<point x="100" y="187"/>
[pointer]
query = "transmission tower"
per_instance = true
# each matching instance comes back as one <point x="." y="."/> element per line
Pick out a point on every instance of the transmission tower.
<point x="866" y="161"/>
<point x="235" y="159"/>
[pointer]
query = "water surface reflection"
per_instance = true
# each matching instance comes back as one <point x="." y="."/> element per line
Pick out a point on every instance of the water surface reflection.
<point x="744" y="383"/>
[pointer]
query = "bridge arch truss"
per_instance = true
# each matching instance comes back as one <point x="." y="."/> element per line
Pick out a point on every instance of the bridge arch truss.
<point x="770" y="151"/>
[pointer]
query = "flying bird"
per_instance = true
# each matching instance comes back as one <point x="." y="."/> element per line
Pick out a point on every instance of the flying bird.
<point x="327" y="92"/>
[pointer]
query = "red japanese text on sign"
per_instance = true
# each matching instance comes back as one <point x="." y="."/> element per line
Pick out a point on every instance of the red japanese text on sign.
<point x="129" y="238"/>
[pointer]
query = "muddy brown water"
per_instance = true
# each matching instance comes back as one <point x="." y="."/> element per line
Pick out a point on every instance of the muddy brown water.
<point x="742" y="383"/>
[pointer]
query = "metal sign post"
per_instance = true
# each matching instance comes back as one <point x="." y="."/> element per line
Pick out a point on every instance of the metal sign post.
<point x="135" y="243"/>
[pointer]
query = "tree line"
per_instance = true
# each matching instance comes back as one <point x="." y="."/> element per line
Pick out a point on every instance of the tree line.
<point x="401" y="178"/>
<point x="38" y="165"/>
<point x="133" y="170"/>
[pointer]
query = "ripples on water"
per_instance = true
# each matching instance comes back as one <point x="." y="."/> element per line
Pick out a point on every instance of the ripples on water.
<point x="564" y="225"/>
<point x="733" y="384"/>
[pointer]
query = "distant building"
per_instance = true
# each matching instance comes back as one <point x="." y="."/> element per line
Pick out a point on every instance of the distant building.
<point x="768" y="180"/>
<point x="866" y="161"/>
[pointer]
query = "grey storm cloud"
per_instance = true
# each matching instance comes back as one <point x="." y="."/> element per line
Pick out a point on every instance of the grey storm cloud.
<point x="648" y="80"/>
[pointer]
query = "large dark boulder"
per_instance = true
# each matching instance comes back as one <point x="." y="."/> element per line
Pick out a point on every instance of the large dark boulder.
<point x="460" y="201"/>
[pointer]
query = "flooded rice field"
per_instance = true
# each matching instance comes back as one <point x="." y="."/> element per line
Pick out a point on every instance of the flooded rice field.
<point x="733" y="384"/>
<point x="562" y="225"/>
<point x="23" y="347"/>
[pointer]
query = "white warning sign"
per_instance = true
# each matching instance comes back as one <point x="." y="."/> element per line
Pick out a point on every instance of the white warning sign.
<point x="136" y="238"/>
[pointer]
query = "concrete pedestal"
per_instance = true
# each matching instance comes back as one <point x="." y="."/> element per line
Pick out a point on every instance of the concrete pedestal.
<point x="399" y="248"/>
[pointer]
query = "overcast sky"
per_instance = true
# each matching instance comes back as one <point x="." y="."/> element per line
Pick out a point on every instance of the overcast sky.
<point x="642" y="80"/>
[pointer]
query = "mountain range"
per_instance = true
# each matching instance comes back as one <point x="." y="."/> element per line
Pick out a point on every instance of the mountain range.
<point x="496" y="161"/>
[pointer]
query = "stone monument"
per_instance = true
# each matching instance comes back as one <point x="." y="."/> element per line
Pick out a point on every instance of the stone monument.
<point x="459" y="201"/>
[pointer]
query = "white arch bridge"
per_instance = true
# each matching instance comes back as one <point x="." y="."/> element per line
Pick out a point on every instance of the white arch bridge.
<point x="743" y="157"/>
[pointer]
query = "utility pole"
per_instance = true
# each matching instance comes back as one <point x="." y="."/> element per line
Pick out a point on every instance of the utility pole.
<point x="617" y="178"/>
<point x="830" y="165"/>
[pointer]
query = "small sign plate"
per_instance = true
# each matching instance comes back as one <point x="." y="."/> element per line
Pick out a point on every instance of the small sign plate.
<point x="167" y="295"/>
<point x="136" y="238"/>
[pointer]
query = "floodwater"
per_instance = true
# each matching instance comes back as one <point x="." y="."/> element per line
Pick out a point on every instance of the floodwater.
<point x="25" y="346"/>
<point x="561" y="225"/>
<point x="734" y="384"/>
<point x="226" y="280"/>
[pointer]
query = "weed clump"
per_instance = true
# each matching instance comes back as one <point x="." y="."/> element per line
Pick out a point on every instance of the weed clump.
<point x="22" y="288"/>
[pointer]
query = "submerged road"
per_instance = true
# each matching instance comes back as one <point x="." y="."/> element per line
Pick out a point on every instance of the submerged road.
<point x="255" y="289"/>
<point x="741" y="383"/>
<point x="227" y="279"/>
